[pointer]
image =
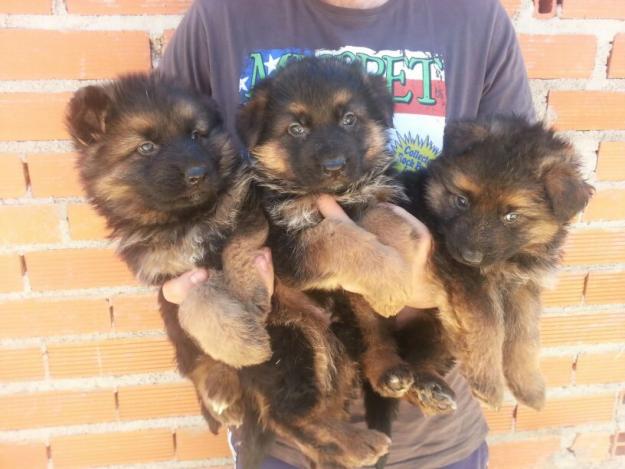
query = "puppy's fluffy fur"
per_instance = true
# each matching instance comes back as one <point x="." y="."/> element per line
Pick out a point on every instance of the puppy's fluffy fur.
<point x="319" y="126"/>
<point x="498" y="202"/>
<point x="157" y="164"/>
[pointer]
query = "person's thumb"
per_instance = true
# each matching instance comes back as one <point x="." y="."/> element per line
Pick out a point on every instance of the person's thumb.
<point x="329" y="208"/>
<point x="177" y="289"/>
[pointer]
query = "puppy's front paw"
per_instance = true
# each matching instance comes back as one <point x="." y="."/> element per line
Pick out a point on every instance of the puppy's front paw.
<point x="394" y="382"/>
<point x="431" y="394"/>
<point x="385" y="304"/>
<point x="531" y="391"/>
<point x="487" y="389"/>
<point x="366" y="448"/>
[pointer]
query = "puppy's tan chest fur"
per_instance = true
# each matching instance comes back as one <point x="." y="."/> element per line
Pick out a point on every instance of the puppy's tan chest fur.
<point x="171" y="259"/>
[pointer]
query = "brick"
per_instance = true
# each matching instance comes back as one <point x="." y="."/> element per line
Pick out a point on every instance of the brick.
<point x="76" y="268"/>
<point x="59" y="408"/>
<point x="53" y="317"/>
<point x="29" y="54"/>
<point x="127" y="7"/>
<point x="588" y="110"/>
<point x="133" y="313"/>
<point x="558" y="371"/>
<point x="10" y="273"/>
<point x="21" y="454"/>
<point x="580" y="329"/>
<point x="606" y="204"/>
<point x="605" y="287"/>
<point x="616" y="62"/>
<point x="595" y="246"/>
<point x="12" y="181"/>
<point x="29" y="224"/>
<point x="199" y="443"/>
<point x="105" y="449"/>
<point x="85" y="223"/>
<point x="110" y="357"/>
<point x="522" y="454"/>
<point x="512" y="7"/>
<point x="26" y="7"/>
<point x="499" y="421"/>
<point x="608" y="9"/>
<point x="592" y="447"/>
<point x="611" y="161"/>
<point x="54" y="175"/>
<point x="558" y="56"/>
<point x="157" y="401"/>
<point x="566" y="412"/>
<point x="21" y="364"/>
<point x="32" y="116"/>
<point x="600" y="368"/>
<point x="568" y="291"/>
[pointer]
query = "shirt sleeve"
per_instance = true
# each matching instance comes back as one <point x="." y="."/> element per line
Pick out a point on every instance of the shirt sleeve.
<point x="186" y="57"/>
<point x="506" y="87"/>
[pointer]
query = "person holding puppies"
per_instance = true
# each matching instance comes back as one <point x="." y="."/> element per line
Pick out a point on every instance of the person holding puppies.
<point x="442" y="59"/>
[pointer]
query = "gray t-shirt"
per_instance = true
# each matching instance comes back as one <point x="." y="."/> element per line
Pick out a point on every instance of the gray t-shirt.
<point x="442" y="59"/>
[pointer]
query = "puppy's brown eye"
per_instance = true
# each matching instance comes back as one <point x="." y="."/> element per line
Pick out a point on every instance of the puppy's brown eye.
<point x="349" y="119"/>
<point x="461" y="202"/>
<point x="195" y="135"/>
<point x="511" y="217"/>
<point x="296" y="130"/>
<point x="147" y="148"/>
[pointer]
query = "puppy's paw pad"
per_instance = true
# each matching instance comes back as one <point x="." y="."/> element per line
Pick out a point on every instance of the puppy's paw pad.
<point x="395" y="382"/>
<point x="432" y="394"/>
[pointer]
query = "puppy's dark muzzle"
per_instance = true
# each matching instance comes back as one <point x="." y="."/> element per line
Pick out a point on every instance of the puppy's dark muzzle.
<point x="195" y="175"/>
<point x="334" y="167"/>
<point x="472" y="257"/>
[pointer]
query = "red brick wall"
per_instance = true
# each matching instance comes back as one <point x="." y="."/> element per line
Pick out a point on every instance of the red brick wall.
<point x="86" y="374"/>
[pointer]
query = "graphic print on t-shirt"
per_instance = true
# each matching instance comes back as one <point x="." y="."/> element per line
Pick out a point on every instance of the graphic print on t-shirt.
<point x="415" y="78"/>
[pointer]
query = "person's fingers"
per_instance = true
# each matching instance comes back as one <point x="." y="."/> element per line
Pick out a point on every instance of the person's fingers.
<point x="330" y="208"/>
<point x="177" y="289"/>
<point x="425" y="237"/>
<point x="264" y="264"/>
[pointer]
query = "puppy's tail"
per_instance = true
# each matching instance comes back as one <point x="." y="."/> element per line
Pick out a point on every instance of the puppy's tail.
<point x="255" y="441"/>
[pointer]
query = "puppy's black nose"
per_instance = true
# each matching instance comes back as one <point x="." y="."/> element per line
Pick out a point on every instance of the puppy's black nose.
<point x="195" y="174"/>
<point x="472" y="257"/>
<point x="334" y="165"/>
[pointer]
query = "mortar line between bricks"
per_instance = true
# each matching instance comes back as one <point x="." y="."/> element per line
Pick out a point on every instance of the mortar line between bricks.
<point x="38" y="434"/>
<point x="100" y="292"/>
<point x="202" y="463"/>
<point x="582" y="348"/>
<point x="598" y="309"/>
<point x="68" y="339"/>
<point x="69" y="22"/>
<point x="92" y="383"/>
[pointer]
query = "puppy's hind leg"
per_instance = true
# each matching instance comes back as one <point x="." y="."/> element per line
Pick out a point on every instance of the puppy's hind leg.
<point x="522" y="346"/>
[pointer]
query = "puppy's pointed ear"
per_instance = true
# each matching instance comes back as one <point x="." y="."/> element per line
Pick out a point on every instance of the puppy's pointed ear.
<point x="461" y="135"/>
<point x="382" y="98"/>
<point x="86" y="115"/>
<point x="565" y="186"/>
<point x="251" y="116"/>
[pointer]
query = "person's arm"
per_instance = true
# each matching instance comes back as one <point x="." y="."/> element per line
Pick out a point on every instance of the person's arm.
<point x="186" y="57"/>
<point x="506" y="87"/>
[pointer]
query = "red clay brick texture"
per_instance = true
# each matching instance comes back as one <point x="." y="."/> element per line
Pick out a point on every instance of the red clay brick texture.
<point x="87" y="374"/>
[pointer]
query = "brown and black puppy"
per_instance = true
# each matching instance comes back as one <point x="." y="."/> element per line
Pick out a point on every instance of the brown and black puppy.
<point x="498" y="202"/>
<point x="319" y="126"/>
<point x="157" y="164"/>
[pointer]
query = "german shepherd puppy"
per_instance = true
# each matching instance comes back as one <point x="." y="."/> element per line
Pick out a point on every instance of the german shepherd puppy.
<point x="157" y="164"/>
<point x="498" y="202"/>
<point x="319" y="126"/>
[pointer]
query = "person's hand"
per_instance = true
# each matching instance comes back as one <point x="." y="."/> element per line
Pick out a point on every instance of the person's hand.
<point x="422" y="297"/>
<point x="177" y="289"/>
